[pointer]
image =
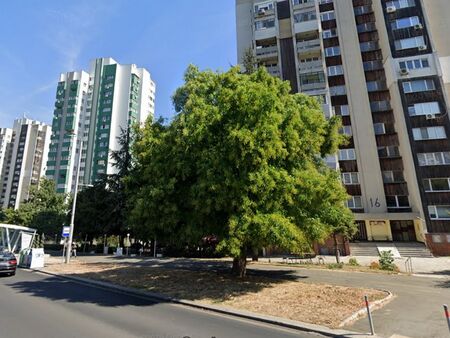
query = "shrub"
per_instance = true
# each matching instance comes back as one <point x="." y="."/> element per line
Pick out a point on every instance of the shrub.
<point x="353" y="262"/>
<point x="387" y="261"/>
<point x="335" y="266"/>
<point x="374" y="266"/>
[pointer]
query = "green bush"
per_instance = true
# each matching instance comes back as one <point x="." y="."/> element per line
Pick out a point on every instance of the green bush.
<point x="335" y="266"/>
<point x="387" y="261"/>
<point x="353" y="262"/>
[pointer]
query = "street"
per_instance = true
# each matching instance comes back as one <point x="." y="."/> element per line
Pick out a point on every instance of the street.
<point x="36" y="305"/>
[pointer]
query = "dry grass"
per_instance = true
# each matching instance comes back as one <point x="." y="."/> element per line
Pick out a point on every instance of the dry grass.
<point x="313" y="303"/>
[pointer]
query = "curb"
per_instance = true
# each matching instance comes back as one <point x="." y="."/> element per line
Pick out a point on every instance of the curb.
<point x="287" y="323"/>
<point x="373" y="306"/>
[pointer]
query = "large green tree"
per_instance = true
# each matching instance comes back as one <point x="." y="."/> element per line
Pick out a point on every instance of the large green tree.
<point x="45" y="209"/>
<point x="243" y="160"/>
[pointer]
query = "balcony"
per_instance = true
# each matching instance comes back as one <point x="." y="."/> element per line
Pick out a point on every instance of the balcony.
<point x="306" y="26"/>
<point x="265" y="33"/>
<point x="312" y="86"/>
<point x="308" y="46"/>
<point x="372" y="65"/>
<point x="369" y="46"/>
<point x="273" y="70"/>
<point x="316" y="65"/>
<point x="377" y="106"/>
<point x="338" y="91"/>
<point x="266" y="52"/>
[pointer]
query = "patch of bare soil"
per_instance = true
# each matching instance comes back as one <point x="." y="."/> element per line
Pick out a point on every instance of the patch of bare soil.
<point x="313" y="303"/>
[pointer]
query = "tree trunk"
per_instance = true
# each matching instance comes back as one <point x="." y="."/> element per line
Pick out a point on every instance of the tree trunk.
<point x="255" y="254"/>
<point x="239" y="266"/>
<point x="336" y="249"/>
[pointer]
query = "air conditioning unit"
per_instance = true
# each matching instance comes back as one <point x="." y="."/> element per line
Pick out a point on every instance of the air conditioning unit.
<point x="261" y="11"/>
<point x="422" y="47"/>
<point x="430" y="116"/>
<point x="404" y="71"/>
<point x="391" y="9"/>
<point x="418" y="26"/>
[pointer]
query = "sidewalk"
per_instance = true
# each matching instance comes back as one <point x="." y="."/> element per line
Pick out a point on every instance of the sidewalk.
<point x="439" y="266"/>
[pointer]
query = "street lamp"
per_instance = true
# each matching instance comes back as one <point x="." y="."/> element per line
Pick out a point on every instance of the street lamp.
<point x="74" y="204"/>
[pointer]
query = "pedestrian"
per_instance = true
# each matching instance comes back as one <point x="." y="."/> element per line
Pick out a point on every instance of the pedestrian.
<point x="74" y="249"/>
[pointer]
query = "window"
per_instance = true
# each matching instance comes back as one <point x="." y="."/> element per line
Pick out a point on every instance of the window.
<point x="350" y="178"/>
<point x="329" y="33"/>
<point x="344" y="111"/>
<point x="347" y="130"/>
<point x="335" y="70"/>
<point x="414" y="64"/>
<point x="355" y="202"/>
<point x="418" y="86"/>
<point x="266" y="6"/>
<point x="408" y="43"/>
<point x="379" y="129"/>
<point x="305" y="16"/>
<point x="298" y="2"/>
<point x="439" y="158"/>
<point x="332" y="51"/>
<point x="311" y="78"/>
<point x="326" y="16"/>
<point x="393" y="176"/>
<point x="436" y="184"/>
<point x="401" y="3"/>
<point x="397" y="201"/>
<point x="264" y="24"/>
<point x="405" y="22"/>
<point x="106" y="110"/>
<point x="429" y="133"/>
<point x="439" y="211"/>
<point x="425" y="108"/>
<point x="347" y="154"/>
<point x="389" y="151"/>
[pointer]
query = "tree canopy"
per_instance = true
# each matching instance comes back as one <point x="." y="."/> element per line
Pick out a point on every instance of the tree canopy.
<point x="243" y="160"/>
<point x="45" y="209"/>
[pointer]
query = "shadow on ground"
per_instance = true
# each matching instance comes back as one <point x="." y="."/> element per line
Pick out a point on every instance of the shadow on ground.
<point x="196" y="285"/>
<point x="58" y="289"/>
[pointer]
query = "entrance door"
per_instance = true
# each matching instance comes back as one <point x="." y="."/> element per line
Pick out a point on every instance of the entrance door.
<point x="403" y="231"/>
<point x="361" y="235"/>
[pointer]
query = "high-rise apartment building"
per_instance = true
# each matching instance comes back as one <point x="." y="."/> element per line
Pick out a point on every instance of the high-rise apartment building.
<point x="24" y="151"/>
<point x="384" y="67"/>
<point x="92" y="109"/>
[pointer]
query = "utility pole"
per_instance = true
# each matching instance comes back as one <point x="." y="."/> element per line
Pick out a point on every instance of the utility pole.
<point x="74" y="204"/>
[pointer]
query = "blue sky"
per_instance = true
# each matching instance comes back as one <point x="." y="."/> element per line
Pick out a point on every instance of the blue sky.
<point x="41" y="39"/>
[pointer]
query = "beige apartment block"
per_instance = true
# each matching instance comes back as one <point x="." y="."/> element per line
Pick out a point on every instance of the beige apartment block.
<point x="384" y="67"/>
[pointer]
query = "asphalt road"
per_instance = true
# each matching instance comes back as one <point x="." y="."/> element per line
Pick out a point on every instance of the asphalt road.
<point x="36" y="305"/>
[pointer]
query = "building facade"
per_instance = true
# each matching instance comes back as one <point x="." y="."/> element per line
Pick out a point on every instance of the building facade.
<point x="25" y="149"/>
<point x="384" y="67"/>
<point x="91" y="110"/>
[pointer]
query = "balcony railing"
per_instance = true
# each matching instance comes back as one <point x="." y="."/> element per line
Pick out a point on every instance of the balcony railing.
<point x="308" y="45"/>
<point x="313" y="86"/>
<point x="274" y="70"/>
<point x="266" y="51"/>
<point x="369" y="46"/>
<point x="372" y="65"/>
<point x="377" y="106"/>
<point x="311" y="65"/>
<point x="338" y="90"/>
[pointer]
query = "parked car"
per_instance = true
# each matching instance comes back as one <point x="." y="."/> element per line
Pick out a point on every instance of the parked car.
<point x="8" y="263"/>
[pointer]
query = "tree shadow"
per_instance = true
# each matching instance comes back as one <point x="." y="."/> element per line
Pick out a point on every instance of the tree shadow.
<point x="443" y="284"/>
<point x="59" y="289"/>
<point x="194" y="284"/>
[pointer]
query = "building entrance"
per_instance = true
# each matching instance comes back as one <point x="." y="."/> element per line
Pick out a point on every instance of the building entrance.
<point x="403" y="231"/>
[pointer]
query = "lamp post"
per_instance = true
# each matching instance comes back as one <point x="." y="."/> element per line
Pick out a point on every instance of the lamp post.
<point x="74" y="204"/>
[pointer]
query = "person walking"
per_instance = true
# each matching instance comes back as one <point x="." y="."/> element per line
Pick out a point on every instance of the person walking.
<point x="74" y="249"/>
